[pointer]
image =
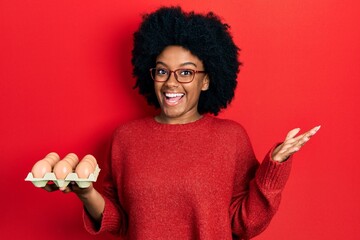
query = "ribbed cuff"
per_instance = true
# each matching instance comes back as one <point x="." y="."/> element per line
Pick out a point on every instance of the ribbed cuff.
<point x="273" y="175"/>
<point x="90" y="225"/>
<point x="111" y="220"/>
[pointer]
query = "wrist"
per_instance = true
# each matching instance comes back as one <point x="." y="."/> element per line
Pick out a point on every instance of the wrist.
<point x="86" y="194"/>
<point x="274" y="153"/>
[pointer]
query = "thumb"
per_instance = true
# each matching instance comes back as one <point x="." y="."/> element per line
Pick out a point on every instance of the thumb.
<point x="292" y="133"/>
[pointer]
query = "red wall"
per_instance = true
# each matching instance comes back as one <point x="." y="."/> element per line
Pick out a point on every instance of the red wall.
<point x="65" y="84"/>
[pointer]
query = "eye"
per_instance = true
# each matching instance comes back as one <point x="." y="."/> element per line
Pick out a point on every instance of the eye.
<point x="186" y="72"/>
<point x="161" y="71"/>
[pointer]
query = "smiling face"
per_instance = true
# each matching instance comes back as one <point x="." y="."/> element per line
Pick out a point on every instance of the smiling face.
<point x="179" y="101"/>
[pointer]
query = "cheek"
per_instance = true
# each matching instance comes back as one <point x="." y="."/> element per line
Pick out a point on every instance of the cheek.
<point x="157" y="88"/>
<point x="194" y="90"/>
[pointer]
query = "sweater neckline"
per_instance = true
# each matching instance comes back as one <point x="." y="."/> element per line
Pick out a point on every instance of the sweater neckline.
<point x="179" y="127"/>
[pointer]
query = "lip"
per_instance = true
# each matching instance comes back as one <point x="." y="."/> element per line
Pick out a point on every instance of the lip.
<point x="173" y="93"/>
<point x="172" y="98"/>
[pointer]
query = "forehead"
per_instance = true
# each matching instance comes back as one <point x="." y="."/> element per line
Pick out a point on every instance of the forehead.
<point x="174" y="56"/>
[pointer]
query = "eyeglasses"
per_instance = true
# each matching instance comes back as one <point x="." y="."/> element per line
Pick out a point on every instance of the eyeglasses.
<point x="181" y="75"/>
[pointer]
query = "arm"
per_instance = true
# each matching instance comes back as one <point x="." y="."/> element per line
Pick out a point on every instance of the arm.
<point x="91" y="198"/>
<point x="112" y="216"/>
<point x="257" y="192"/>
<point x="257" y="196"/>
<point x="93" y="201"/>
<point x="101" y="212"/>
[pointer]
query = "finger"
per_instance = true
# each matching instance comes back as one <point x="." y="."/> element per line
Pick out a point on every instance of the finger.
<point x="292" y="134"/>
<point x="303" y="138"/>
<point x="290" y="141"/>
<point x="66" y="189"/>
<point x="293" y="150"/>
<point x="309" y="133"/>
<point x="296" y="144"/>
<point x="50" y="187"/>
<point x="290" y="151"/>
<point x="295" y="141"/>
<point x="71" y="187"/>
<point x="288" y="144"/>
<point x="293" y="145"/>
<point x="314" y="130"/>
<point x="285" y="148"/>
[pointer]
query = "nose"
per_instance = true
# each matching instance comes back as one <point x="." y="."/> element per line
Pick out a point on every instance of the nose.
<point x="172" y="80"/>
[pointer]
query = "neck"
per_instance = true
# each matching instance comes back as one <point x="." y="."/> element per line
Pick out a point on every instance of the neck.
<point x="168" y="120"/>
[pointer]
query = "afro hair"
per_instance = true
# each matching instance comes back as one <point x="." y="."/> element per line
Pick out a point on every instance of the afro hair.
<point x="205" y="36"/>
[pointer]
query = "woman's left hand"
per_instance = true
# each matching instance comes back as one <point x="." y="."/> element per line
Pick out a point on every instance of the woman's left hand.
<point x="292" y="144"/>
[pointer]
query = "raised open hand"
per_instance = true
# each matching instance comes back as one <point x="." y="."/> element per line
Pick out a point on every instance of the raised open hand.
<point x="292" y="144"/>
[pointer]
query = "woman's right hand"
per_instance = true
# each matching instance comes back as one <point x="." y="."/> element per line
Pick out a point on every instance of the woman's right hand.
<point x="88" y="165"/>
<point x="71" y="187"/>
<point x="90" y="197"/>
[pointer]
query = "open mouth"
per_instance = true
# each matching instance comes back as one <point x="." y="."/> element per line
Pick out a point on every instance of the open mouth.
<point x="173" y="98"/>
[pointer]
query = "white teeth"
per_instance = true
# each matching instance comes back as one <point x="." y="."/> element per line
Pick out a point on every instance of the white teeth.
<point x="171" y="95"/>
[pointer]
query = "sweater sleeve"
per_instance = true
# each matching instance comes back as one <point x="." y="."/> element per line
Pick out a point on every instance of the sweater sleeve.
<point x="111" y="220"/>
<point x="257" y="191"/>
<point x="114" y="217"/>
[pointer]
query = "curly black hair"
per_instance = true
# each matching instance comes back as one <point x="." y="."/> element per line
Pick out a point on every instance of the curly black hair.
<point x="205" y="36"/>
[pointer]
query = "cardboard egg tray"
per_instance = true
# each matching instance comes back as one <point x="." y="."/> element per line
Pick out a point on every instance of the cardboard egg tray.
<point x="50" y="176"/>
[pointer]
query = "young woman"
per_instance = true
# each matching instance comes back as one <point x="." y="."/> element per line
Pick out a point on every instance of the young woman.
<point x="185" y="174"/>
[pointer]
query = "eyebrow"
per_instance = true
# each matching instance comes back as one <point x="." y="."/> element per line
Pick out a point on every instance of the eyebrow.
<point x="181" y="65"/>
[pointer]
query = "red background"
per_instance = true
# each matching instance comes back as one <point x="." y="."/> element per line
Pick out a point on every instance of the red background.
<point x="65" y="84"/>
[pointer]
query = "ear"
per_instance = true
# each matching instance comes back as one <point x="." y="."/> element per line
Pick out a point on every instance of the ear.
<point x="205" y="83"/>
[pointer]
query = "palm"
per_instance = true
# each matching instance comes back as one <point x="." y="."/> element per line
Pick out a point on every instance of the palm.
<point x="292" y="143"/>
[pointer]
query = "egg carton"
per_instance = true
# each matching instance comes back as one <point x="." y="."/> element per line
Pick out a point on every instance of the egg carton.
<point x="71" y="177"/>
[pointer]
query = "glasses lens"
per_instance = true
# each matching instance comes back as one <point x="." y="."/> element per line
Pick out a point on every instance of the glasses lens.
<point x="159" y="74"/>
<point x="181" y="75"/>
<point x="185" y="75"/>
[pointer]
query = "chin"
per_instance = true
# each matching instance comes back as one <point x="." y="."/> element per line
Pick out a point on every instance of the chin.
<point x="172" y="114"/>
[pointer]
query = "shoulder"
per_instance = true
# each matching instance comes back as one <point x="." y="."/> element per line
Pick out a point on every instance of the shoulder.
<point x="227" y="125"/>
<point x="231" y="130"/>
<point x="132" y="127"/>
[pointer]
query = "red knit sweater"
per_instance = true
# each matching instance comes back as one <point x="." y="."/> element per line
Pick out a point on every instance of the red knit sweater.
<point x="189" y="181"/>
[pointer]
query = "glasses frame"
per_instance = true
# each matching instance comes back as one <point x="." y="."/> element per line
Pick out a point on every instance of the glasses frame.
<point x="176" y="76"/>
